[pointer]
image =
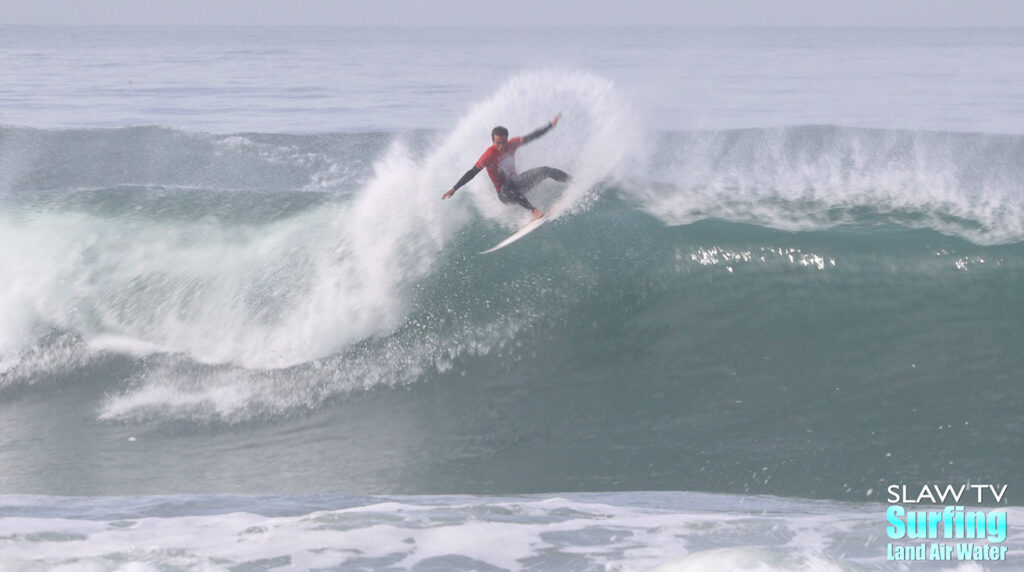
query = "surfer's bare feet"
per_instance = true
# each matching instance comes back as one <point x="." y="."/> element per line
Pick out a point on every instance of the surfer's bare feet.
<point x="537" y="214"/>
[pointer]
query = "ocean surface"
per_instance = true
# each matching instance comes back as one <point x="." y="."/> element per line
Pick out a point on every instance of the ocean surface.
<point x="239" y="330"/>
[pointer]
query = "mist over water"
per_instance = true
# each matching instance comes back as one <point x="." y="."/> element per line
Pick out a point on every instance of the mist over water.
<point x="811" y="177"/>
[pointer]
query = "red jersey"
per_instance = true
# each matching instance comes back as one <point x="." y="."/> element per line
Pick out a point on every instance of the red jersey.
<point x="501" y="165"/>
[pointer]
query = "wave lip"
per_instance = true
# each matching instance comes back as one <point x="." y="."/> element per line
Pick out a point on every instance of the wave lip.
<point x="813" y="177"/>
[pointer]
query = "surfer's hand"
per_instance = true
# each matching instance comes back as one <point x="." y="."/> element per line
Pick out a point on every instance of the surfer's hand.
<point x="448" y="194"/>
<point x="555" y="120"/>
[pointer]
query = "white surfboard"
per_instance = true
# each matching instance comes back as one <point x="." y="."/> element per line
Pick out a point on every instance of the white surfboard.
<point x="532" y="226"/>
<point x="553" y="212"/>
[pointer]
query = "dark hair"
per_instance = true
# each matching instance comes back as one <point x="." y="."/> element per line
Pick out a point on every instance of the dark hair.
<point x="499" y="130"/>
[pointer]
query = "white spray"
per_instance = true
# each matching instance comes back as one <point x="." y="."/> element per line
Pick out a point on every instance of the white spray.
<point x="301" y="288"/>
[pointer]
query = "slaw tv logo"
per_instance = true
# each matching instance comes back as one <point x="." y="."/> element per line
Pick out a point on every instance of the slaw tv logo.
<point x="952" y="532"/>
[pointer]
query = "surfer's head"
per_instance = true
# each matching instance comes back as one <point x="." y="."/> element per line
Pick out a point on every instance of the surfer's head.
<point x="499" y="136"/>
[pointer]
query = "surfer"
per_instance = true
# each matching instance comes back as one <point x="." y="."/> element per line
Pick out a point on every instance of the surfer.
<point x="500" y="161"/>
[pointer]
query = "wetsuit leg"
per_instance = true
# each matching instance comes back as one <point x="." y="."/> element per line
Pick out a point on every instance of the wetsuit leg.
<point x="529" y="179"/>
<point x="515" y="190"/>
<point x="510" y="194"/>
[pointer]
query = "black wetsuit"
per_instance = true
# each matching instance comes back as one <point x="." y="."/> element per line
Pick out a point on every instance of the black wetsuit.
<point x="514" y="191"/>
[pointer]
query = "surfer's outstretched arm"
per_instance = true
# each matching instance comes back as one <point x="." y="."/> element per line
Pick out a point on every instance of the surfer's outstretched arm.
<point x="467" y="177"/>
<point x="535" y="134"/>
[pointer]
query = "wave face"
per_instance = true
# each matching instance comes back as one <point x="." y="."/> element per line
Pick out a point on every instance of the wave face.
<point x="849" y="296"/>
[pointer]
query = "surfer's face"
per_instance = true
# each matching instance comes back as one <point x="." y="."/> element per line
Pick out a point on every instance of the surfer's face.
<point x="499" y="141"/>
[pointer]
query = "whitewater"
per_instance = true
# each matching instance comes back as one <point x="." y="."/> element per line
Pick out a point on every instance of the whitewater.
<point x="239" y="328"/>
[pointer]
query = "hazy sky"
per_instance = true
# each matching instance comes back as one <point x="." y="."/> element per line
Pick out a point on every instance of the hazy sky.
<point x="519" y="13"/>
